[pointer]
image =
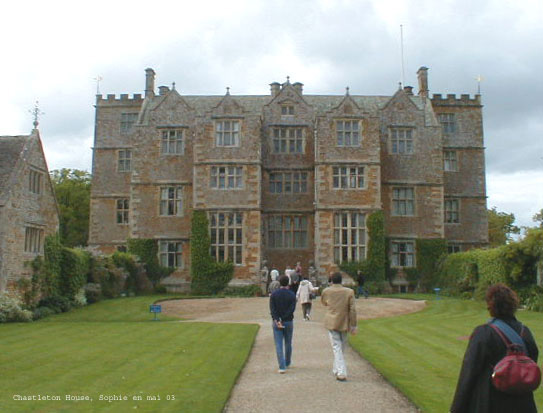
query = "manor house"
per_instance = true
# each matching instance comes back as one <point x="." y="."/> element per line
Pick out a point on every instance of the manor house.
<point x="287" y="176"/>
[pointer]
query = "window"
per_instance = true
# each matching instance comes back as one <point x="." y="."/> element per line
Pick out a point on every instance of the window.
<point x="448" y="123"/>
<point x="401" y="140"/>
<point x="122" y="248"/>
<point x="348" y="133"/>
<point x="450" y="162"/>
<point x="33" y="239"/>
<point x="226" y="236"/>
<point x="451" y="211"/>
<point x="170" y="254"/>
<point x="349" y="236"/>
<point x="127" y="121"/>
<point x="285" y="231"/>
<point x="226" y="177"/>
<point x="403" y="201"/>
<point x="172" y="142"/>
<point x="288" y="182"/>
<point x="227" y="133"/>
<point x="287" y="110"/>
<point x="34" y="181"/>
<point x="452" y="248"/>
<point x="348" y="177"/>
<point x="403" y="254"/>
<point x="288" y="140"/>
<point x="124" y="163"/>
<point x="122" y="211"/>
<point x="171" y="201"/>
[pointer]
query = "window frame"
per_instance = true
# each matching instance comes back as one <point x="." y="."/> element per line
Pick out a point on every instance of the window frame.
<point x="124" y="160"/>
<point x="166" y="142"/>
<point x="226" y="234"/>
<point x="287" y="140"/>
<point x="344" y="249"/>
<point x="287" y="231"/>
<point x="231" y="174"/>
<point x="448" y="123"/>
<point x="235" y="135"/>
<point x="35" y="181"/>
<point x="128" y="120"/>
<point x="451" y="210"/>
<point x="343" y="130"/>
<point x="396" y="140"/>
<point x="450" y="163"/>
<point x="122" y="209"/>
<point x="168" y="203"/>
<point x="396" y="256"/>
<point x="34" y="240"/>
<point x="400" y="204"/>
<point x="288" y="179"/>
<point x="175" y="253"/>
<point x="287" y="110"/>
<point x="453" y="248"/>
<point x="344" y="181"/>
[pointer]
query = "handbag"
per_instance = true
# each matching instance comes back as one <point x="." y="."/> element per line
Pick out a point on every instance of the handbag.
<point x="516" y="373"/>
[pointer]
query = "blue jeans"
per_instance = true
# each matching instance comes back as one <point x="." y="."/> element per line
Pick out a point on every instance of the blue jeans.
<point x="280" y="336"/>
<point x="362" y="290"/>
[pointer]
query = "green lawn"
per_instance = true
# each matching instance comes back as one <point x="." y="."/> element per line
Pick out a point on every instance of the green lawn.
<point x="421" y="353"/>
<point x="114" y="349"/>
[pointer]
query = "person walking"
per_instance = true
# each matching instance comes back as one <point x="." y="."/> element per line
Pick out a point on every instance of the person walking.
<point x="340" y="319"/>
<point x="475" y="391"/>
<point x="282" y="307"/>
<point x="360" y="279"/>
<point x="274" y="285"/>
<point x="305" y="291"/>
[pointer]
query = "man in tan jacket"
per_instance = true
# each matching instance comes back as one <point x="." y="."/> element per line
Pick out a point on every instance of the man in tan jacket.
<point x="340" y="319"/>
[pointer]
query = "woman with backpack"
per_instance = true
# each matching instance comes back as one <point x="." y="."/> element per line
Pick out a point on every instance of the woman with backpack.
<point x="476" y="390"/>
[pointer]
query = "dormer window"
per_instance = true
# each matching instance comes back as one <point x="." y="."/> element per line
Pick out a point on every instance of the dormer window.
<point x="348" y="133"/>
<point x="287" y="110"/>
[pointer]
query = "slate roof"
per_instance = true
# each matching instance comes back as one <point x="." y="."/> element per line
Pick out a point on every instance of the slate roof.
<point x="11" y="148"/>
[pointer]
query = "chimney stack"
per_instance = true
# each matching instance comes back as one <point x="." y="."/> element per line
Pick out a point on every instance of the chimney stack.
<point x="163" y="90"/>
<point x="422" y="74"/>
<point x="408" y="90"/>
<point x="275" y="87"/>
<point x="299" y="87"/>
<point x="149" y="82"/>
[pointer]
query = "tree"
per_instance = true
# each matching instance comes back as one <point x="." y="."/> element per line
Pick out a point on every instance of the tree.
<point x="72" y="189"/>
<point x="538" y="218"/>
<point x="500" y="227"/>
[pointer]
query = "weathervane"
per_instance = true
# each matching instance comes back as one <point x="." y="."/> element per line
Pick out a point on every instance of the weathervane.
<point x="98" y="79"/>
<point x="36" y="112"/>
<point x="479" y="79"/>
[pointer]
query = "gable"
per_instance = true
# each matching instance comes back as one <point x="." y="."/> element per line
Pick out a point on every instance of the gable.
<point x="400" y="101"/>
<point x="228" y="106"/>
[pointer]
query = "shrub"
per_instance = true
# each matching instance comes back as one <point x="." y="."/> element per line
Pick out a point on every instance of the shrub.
<point x="244" y="291"/>
<point x="93" y="292"/>
<point x="376" y="262"/>
<point x="429" y="253"/>
<point x="74" y="269"/>
<point x="137" y="280"/>
<point x="147" y="251"/>
<point x="11" y="311"/>
<point x="42" y="312"/>
<point x="80" y="300"/>
<point x="111" y="278"/>
<point x="56" y="303"/>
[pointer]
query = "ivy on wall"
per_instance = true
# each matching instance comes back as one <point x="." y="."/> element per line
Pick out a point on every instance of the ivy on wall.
<point x="207" y="275"/>
<point x="147" y="251"/>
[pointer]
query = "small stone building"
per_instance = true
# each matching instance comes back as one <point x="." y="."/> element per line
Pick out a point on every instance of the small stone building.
<point x="28" y="207"/>
<point x="287" y="177"/>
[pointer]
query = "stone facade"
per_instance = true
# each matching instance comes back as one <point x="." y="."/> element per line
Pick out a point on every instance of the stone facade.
<point x="28" y="207"/>
<point x="287" y="177"/>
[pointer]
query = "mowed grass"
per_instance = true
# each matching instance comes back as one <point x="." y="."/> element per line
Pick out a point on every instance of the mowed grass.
<point x="421" y="353"/>
<point x="112" y="348"/>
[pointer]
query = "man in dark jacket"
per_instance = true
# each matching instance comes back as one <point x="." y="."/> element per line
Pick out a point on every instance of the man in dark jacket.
<point x="475" y="391"/>
<point x="282" y="306"/>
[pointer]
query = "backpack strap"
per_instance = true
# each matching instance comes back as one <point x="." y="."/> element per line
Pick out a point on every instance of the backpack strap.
<point x="503" y="329"/>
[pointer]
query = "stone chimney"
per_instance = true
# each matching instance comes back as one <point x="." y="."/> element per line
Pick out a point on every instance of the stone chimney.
<point x="408" y="90"/>
<point x="422" y="74"/>
<point x="149" y="82"/>
<point x="275" y="87"/>
<point x="299" y="87"/>
<point x="162" y="90"/>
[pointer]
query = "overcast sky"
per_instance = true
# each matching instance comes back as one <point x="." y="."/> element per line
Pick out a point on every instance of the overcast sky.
<point x="53" y="50"/>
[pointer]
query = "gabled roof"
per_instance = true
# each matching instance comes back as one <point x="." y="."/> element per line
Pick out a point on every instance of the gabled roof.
<point x="11" y="150"/>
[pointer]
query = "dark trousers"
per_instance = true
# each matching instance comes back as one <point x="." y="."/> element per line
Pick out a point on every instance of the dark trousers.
<point x="306" y="309"/>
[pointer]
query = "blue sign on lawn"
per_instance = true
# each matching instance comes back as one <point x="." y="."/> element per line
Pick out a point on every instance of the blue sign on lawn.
<point x="155" y="308"/>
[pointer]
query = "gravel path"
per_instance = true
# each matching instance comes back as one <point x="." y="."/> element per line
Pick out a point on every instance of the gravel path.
<point x="308" y="386"/>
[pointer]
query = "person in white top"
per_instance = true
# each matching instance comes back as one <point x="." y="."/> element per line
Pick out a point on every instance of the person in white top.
<point x="303" y="295"/>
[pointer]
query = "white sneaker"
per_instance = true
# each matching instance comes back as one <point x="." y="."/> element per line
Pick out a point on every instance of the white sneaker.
<point x="282" y="371"/>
